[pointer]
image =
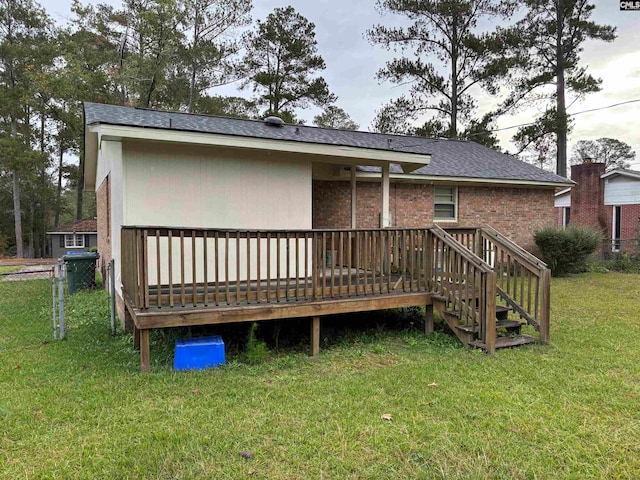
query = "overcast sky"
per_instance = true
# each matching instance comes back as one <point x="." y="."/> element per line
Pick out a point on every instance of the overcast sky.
<point x="352" y="64"/>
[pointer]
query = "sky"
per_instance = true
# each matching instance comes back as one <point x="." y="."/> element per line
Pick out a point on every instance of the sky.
<point x="352" y="64"/>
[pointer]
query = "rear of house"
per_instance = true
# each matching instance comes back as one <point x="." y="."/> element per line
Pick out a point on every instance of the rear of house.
<point x="216" y="220"/>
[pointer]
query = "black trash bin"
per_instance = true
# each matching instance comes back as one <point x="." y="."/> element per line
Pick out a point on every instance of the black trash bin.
<point x="81" y="270"/>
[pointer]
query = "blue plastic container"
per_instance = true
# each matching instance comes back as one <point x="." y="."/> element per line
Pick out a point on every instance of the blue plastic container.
<point x="198" y="353"/>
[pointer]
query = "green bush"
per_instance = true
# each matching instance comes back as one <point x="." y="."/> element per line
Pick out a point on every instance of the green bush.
<point x="566" y="251"/>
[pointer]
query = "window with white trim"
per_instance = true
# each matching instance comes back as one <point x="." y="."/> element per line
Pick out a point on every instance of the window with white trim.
<point x="566" y="216"/>
<point x="72" y="240"/>
<point x="445" y="203"/>
<point x="616" y="231"/>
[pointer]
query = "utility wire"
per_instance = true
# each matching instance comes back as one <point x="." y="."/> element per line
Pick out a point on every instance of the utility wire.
<point x="569" y="115"/>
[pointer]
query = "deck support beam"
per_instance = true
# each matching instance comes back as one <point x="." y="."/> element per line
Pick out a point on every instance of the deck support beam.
<point x="315" y="336"/>
<point x="144" y="350"/>
<point x="428" y="319"/>
<point x="384" y="207"/>
<point x="353" y="196"/>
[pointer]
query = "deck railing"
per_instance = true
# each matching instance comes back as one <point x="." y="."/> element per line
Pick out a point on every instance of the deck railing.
<point x="200" y="267"/>
<point x="187" y="268"/>
<point x="523" y="281"/>
<point x="466" y="284"/>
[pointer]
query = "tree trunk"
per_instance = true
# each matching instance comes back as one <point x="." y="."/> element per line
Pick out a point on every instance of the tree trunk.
<point x="56" y="222"/>
<point x="17" y="217"/>
<point x="453" y="124"/>
<point x="32" y="227"/>
<point x="561" y="110"/>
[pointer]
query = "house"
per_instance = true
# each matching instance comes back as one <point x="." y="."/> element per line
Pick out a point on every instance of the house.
<point x="199" y="209"/>
<point x="607" y="201"/>
<point x="78" y="236"/>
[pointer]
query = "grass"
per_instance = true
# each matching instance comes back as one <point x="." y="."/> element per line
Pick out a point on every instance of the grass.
<point x="80" y="409"/>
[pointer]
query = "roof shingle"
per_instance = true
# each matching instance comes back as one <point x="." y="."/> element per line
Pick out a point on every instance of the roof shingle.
<point x="86" y="225"/>
<point x="449" y="158"/>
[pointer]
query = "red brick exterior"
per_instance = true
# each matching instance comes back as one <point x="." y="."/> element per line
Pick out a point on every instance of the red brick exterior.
<point x="587" y="197"/>
<point x="514" y="211"/>
<point x="588" y="208"/>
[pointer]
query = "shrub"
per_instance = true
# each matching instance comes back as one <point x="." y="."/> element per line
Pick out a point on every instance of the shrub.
<point x="566" y="251"/>
<point x="257" y="350"/>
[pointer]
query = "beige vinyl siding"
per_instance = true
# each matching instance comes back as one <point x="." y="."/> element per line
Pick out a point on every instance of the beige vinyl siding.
<point x="183" y="186"/>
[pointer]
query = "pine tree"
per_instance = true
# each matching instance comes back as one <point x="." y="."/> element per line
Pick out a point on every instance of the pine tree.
<point x="548" y="42"/>
<point x="281" y="62"/>
<point x="444" y="56"/>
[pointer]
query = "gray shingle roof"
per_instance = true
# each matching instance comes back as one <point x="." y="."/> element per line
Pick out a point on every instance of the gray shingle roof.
<point x="449" y="158"/>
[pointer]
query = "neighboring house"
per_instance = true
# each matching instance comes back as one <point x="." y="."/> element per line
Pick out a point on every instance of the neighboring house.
<point x="170" y="170"/>
<point x="607" y="201"/>
<point x="78" y="236"/>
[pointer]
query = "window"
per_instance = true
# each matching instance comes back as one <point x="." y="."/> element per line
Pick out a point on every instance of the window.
<point x="72" y="240"/>
<point x="616" y="230"/>
<point x="445" y="203"/>
<point x="566" y="217"/>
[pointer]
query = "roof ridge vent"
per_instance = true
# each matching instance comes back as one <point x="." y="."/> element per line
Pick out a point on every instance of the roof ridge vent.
<point x="274" y="121"/>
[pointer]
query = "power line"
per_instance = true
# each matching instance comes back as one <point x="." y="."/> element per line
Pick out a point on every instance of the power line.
<point x="568" y="115"/>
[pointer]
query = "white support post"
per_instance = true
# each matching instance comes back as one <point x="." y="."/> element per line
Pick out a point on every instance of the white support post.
<point x="384" y="207"/>
<point x="353" y="196"/>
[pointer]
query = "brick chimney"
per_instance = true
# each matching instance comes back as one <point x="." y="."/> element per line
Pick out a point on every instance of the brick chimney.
<point x="587" y="197"/>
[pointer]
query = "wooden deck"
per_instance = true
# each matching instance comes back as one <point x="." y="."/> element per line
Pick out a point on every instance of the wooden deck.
<point x="187" y="277"/>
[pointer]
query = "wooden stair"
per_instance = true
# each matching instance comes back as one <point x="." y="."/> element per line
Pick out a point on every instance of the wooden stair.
<point x="507" y="342"/>
<point x="508" y="331"/>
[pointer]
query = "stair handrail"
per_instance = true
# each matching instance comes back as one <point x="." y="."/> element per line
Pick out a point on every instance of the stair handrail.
<point x="540" y="317"/>
<point x="497" y="236"/>
<point x="461" y="249"/>
<point x="487" y="310"/>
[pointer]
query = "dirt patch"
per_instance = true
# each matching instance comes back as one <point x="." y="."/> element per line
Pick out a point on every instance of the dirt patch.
<point x="28" y="272"/>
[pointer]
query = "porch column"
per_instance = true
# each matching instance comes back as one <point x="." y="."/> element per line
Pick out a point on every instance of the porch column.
<point x="384" y="208"/>
<point x="353" y="196"/>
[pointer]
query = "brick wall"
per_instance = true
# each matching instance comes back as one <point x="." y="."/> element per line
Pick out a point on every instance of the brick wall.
<point x="630" y="227"/>
<point x="587" y="197"/>
<point x="516" y="212"/>
<point x="103" y="208"/>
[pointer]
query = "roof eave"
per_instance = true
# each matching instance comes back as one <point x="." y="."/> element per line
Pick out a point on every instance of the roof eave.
<point x="475" y="180"/>
<point x="328" y="153"/>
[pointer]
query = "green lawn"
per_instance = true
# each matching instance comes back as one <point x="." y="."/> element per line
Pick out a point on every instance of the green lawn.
<point x="80" y="409"/>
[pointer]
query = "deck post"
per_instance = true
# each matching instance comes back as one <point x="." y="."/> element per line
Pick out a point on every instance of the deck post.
<point x="353" y="196"/>
<point x="545" y="288"/>
<point x="315" y="336"/>
<point x="428" y="319"/>
<point x="144" y="350"/>
<point x="490" y="312"/>
<point x="384" y="206"/>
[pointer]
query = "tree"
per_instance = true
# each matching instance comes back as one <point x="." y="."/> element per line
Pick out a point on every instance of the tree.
<point x="237" y="107"/>
<point x="610" y="151"/>
<point x="24" y="35"/>
<point x="335" y="117"/>
<point x="389" y="120"/>
<point x="209" y="44"/>
<point x="547" y="43"/>
<point x="89" y="46"/>
<point x="444" y="57"/>
<point x="281" y="61"/>
<point x="541" y="153"/>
